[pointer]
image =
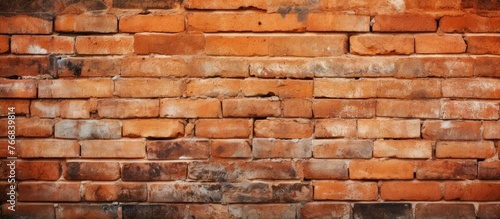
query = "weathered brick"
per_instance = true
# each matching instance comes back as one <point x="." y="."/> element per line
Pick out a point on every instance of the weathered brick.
<point x="275" y="148"/>
<point x="224" y="128"/>
<point x="480" y="88"/>
<point x="83" y="210"/>
<point x="270" y="169"/>
<point x="24" y="24"/>
<point x="280" y="68"/>
<point x="325" y="169"/>
<point x="104" y="45"/>
<point x="127" y="108"/>
<point x="430" y="5"/>
<point x="231" y="67"/>
<point x="292" y="192"/>
<point x="75" y="88"/>
<point x="48" y="148"/>
<point x="208" y="210"/>
<point x="280" y="88"/>
<point x="488" y="211"/>
<point x="429" y="44"/>
<point x="224" y="4"/>
<point x="18" y="88"/>
<point x="465" y="149"/>
<point x="169" y="44"/>
<point x="410" y="89"/>
<point x="190" y="108"/>
<point x="153" y="67"/>
<point x="308" y="45"/>
<point x="184" y="149"/>
<point x="86" y="23"/>
<point x="328" y="128"/>
<point x="214" y="87"/>
<point x="380" y="169"/>
<point x="487" y="66"/>
<point x="153" y="210"/>
<point x="340" y="148"/>
<point x="97" y="171"/>
<point x="379" y="44"/>
<point x="403" y="148"/>
<point x="369" y="7"/>
<point x="152" y="23"/>
<point x="470" y="110"/>
<point x="489" y="170"/>
<point x="271" y="211"/>
<point x="4" y="44"/>
<point x="345" y="88"/>
<point x="88" y="129"/>
<point x="474" y="191"/>
<point x="72" y="109"/>
<point x="283" y="128"/>
<point x="233" y="148"/>
<point x="113" y="148"/>
<point x="21" y="107"/>
<point x="402" y="191"/>
<point x="483" y="44"/>
<point x="15" y="66"/>
<point x="217" y="171"/>
<point x="404" y="23"/>
<point x="88" y="66"/>
<point x="469" y="23"/>
<point x="451" y="130"/>
<point x="491" y="130"/>
<point x="184" y="192"/>
<point x="33" y="170"/>
<point x="251" y="107"/>
<point x="231" y="45"/>
<point x="427" y="210"/>
<point x="149" y="87"/>
<point x="153" y="171"/>
<point x="338" y="22"/>
<point x="107" y="192"/>
<point x="447" y="169"/>
<point x="39" y="45"/>
<point x="409" y="108"/>
<point x="380" y="128"/>
<point x="339" y="190"/>
<point x="301" y="108"/>
<point x="343" y="108"/>
<point x="382" y="210"/>
<point x="257" y="192"/>
<point x="157" y="128"/>
<point x="28" y="127"/>
<point x="325" y="210"/>
<point x="28" y="211"/>
<point x="48" y="192"/>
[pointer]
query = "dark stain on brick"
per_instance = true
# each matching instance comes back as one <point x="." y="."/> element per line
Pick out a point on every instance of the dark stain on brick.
<point x="246" y="193"/>
<point x="133" y="193"/>
<point x="284" y="11"/>
<point x="147" y="4"/>
<point x="302" y="13"/>
<point x="151" y="211"/>
<point x="386" y="210"/>
<point x="291" y="192"/>
<point x="489" y="5"/>
<point x="153" y="171"/>
<point x="76" y="68"/>
<point x="50" y="7"/>
<point x="72" y="170"/>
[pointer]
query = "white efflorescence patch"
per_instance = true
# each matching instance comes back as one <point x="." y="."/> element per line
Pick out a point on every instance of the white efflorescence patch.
<point x="35" y="49"/>
<point x="398" y="4"/>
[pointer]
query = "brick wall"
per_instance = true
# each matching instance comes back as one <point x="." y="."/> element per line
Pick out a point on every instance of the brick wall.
<point x="251" y="108"/>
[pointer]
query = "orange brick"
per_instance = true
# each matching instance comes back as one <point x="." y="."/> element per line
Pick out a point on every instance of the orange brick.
<point x="380" y="128"/>
<point x="97" y="171"/>
<point x="345" y="88"/>
<point x="104" y="45"/>
<point x="483" y="44"/>
<point x="75" y="88"/>
<point x="149" y="87"/>
<point x="28" y="127"/>
<point x="469" y="23"/>
<point x="308" y="45"/>
<point x="4" y="44"/>
<point x="338" y="190"/>
<point x="328" y="128"/>
<point x="127" y="108"/>
<point x="343" y="108"/>
<point x="152" y="23"/>
<point x="487" y="66"/>
<point x="24" y="24"/>
<point x="489" y="170"/>
<point x="15" y="66"/>
<point x="369" y="7"/>
<point x="22" y="107"/>
<point x="251" y="107"/>
<point x="48" y="148"/>
<point x="18" y="88"/>
<point x="431" y="5"/>
<point x="73" y="109"/>
<point x="404" y="23"/>
<point x="238" y="22"/>
<point x="220" y="66"/>
<point x="42" y="44"/>
<point x="325" y="169"/>
<point x="275" y="148"/>
<point x="451" y="130"/>
<point x="35" y="170"/>
<point x="380" y="169"/>
<point x="402" y="191"/>
<point x="338" y="22"/>
<point x="49" y="192"/>
<point x="446" y="169"/>
<point x="378" y="44"/>
<point x="233" y="148"/>
<point x="470" y="110"/>
<point x="324" y="210"/>
<point x="464" y="149"/>
<point x="84" y="210"/>
<point x="153" y="67"/>
<point x="283" y="128"/>
<point x="281" y="88"/>
<point x="491" y="130"/>
<point x="156" y="128"/>
<point x="435" y="66"/>
<point x="88" y="66"/>
<point x="409" y="89"/>
<point x="474" y="191"/>
<point x="107" y="192"/>
<point x="403" y="148"/>
<point x="169" y="44"/>
<point x="480" y="88"/>
<point x="408" y="108"/>
<point x="113" y="148"/>
<point x="86" y="23"/>
<point x="189" y="108"/>
<point x="214" y="87"/>
<point x="231" y="45"/>
<point x="88" y="129"/>
<point x="429" y="44"/>
<point x="297" y="108"/>
<point x="224" y="128"/>
<point x="200" y="211"/>
<point x="224" y="4"/>
<point x="340" y="148"/>
<point x="29" y="211"/>
<point x="280" y="68"/>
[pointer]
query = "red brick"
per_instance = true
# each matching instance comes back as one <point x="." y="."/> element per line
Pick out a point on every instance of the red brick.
<point x="88" y="66"/>
<point x="447" y="169"/>
<point x="22" y="107"/>
<point x="470" y="110"/>
<point x="270" y="169"/>
<point x="86" y="23"/>
<point x="75" y="88"/>
<point x="275" y="148"/>
<point x="308" y="45"/>
<point x="338" y="22"/>
<point x="380" y="169"/>
<point x="42" y="44"/>
<point x="488" y="211"/>
<point x="113" y="148"/>
<point x="469" y="23"/>
<point x="431" y="5"/>
<point x="410" y="89"/>
<point x="247" y="193"/>
<point x="483" y="44"/>
<point x="464" y="149"/>
<point x="378" y="44"/>
<point x="24" y="24"/>
<point x="204" y="211"/>
<point x="271" y="211"/>
<point x="107" y="192"/>
<point x="4" y="44"/>
<point x="251" y="107"/>
<point x="189" y="108"/>
<point x="214" y="87"/>
<point x="184" y="149"/>
<point x="97" y="171"/>
<point x="33" y="170"/>
<point x="153" y="171"/>
<point x="280" y="68"/>
<point x="15" y="66"/>
<point x="127" y="108"/>
<point x="104" y="45"/>
<point x="48" y="192"/>
<point x="480" y="88"/>
<point x="403" y="148"/>
<point x="381" y="128"/>
<point x="345" y="88"/>
<point x="281" y="88"/>
<point x="48" y="148"/>
<point x="231" y="67"/>
<point x="224" y="128"/>
<point x="400" y="191"/>
<point x="73" y="109"/>
<point x="18" y="88"/>
<point x="28" y="211"/>
<point x="409" y="108"/>
<point x="222" y="171"/>
<point x="487" y="66"/>
<point x="225" y="4"/>
<point x="149" y="87"/>
<point x="489" y="170"/>
<point x="238" y="22"/>
<point x="234" y="148"/>
<point x="169" y="44"/>
<point x="430" y="210"/>
<point x="325" y="210"/>
<point x="283" y="128"/>
<point x="28" y="127"/>
<point x="301" y="108"/>
<point x="340" y="190"/>
<point x="491" y="130"/>
<point x="153" y="210"/>
<point x="451" y="130"/>
<point x="473" y="191"/>
<point x="429" y="44"/>
<point x="291" y="192"/>
<point x="184" y="192"/>
<point x="404" y="23"/>
<point x="153" y="67"/>
<point x="325" y="169"/>
<point x="328" y="128"/>
<point x="342" y="148"/>
<point x="343" y="108"/>
<point x="88" y="129"/>
<point x="152" y="23"/>
<point x="231" y="45"/>
<point x="157" y="128"/>
<point x="86" y="211"/>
